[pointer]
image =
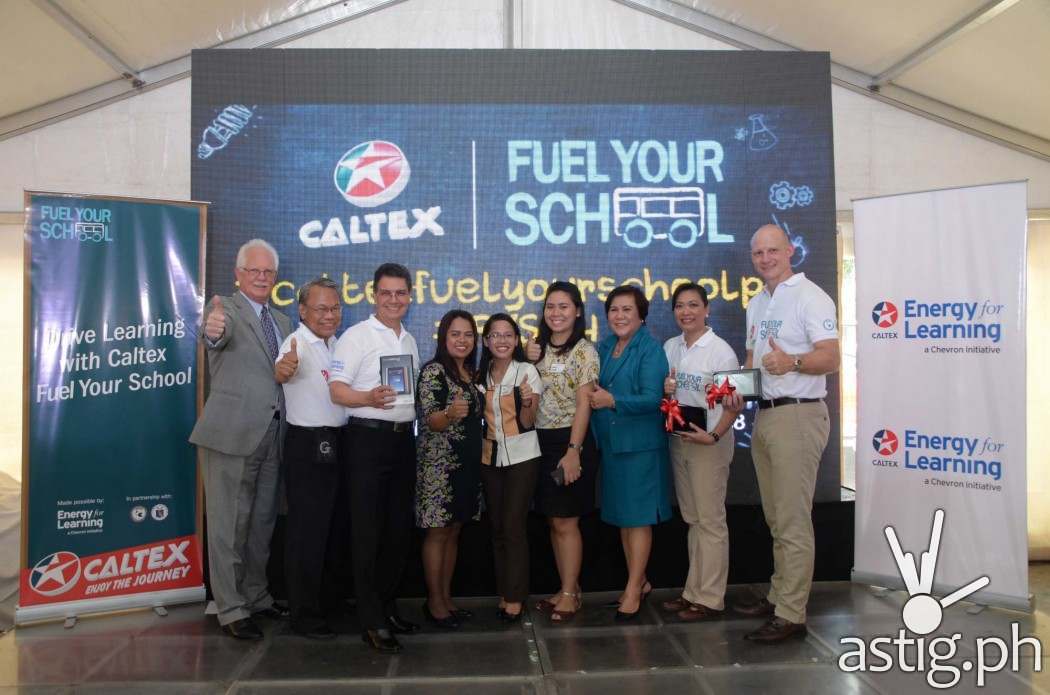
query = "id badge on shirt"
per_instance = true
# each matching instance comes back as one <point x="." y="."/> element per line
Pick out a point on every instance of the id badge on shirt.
<point x="557" y="368"/>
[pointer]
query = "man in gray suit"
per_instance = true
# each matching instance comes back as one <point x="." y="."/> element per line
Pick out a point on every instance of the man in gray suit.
<point x="239" y="435"/>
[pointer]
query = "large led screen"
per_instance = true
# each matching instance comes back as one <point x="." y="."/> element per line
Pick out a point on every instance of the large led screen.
<point x="490" y="173"/>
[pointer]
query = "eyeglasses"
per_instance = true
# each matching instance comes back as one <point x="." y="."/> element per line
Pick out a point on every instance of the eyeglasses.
<point x="390" y="294"/>
<point x="264" y="273"/>
<point x="322" y="309"/>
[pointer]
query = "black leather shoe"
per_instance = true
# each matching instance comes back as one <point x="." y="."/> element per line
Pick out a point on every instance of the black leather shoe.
<point x="777" y="630"/>
<point x="381" y="640"/>
<point x="400" y="626"/>
<point x="245" y="628"/>
<point x="462" y="614"/>
<point x="274" y="612"/>
<point x="622" y="617"/>
<point x="510" y="617"/>
<point x="447" y="623"/>
<point x="319" y="632"/>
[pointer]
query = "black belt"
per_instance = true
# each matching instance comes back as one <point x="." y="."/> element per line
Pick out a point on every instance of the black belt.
<point x="313" y="429"/>
<point x="778" y="402"/>
<point x="380" y="424"/>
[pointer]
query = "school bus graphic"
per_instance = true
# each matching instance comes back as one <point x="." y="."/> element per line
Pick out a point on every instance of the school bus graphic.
<point x="641" y="215"/>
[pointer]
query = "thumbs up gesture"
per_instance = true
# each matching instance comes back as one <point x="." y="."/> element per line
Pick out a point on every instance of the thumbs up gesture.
<point x="776" y="361"/>
<point x="288" y="364"/>
<point x="215" y="324"/>
<point x="457" y="409"/>
<point x="671" y="382"/>
<point x="526" y="392"/>
<point x="532" y="350"/>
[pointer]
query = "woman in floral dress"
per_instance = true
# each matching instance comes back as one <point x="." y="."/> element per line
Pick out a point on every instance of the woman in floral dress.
<point x="448" y="459"/>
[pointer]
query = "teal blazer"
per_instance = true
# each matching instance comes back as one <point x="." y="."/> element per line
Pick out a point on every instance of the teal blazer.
<point x="636" y="381"/>
<point x="636" y="473"/>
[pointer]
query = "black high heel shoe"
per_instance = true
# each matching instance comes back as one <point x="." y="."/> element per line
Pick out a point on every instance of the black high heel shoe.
<point x="616" y="603"/>
<point x="447" y="623"/>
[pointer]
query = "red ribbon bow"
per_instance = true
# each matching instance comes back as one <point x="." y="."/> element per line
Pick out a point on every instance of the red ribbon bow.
<point x="673" y="410"/>
<point x="716" y="393"/>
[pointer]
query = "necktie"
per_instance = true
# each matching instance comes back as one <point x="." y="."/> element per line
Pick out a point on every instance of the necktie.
<point x="268" y="332"/>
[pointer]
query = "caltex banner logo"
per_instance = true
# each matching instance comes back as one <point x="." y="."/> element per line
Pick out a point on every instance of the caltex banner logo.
<point x="55" y="574"/>
<point x="884" y="314"/>
<point x="885" y="442"/>
<point x="372" y="173"/>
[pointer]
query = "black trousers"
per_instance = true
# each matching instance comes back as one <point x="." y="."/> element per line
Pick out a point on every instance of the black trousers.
<point x="381" y="468"/>
<point x="312" y="487"/>
<point x="508" y="492"/>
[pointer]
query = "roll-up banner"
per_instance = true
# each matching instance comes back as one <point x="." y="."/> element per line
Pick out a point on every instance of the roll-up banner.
<point x="110" y="513"/>
<point x="941" y="392"/>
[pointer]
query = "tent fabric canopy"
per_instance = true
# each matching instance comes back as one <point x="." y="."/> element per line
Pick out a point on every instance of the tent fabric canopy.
<point x="984" y="59"/>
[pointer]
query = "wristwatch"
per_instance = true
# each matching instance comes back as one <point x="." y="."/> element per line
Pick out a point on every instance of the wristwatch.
<point x="714" y="435"/>
<point x="797" y="367"/>
<point x="577" y="447"/>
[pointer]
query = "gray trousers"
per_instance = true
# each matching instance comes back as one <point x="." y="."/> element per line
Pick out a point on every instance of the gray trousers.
<point x="241" y="503"/>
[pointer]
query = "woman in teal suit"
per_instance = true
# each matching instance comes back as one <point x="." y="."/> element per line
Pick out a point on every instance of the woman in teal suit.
<point x="628" y="426"/>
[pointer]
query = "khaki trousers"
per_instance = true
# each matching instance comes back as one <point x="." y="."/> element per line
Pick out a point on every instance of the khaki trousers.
<point x="701" y="474"/>
<point x="786" y="445"/>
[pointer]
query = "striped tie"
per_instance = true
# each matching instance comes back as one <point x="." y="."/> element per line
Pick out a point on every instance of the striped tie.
<point x="268" y="332"/>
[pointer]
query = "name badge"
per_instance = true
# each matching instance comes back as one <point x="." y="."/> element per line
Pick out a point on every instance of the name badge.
<point x="558" y="368"/>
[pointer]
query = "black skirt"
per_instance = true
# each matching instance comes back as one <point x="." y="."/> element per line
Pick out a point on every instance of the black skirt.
<point x="563" y="501"/>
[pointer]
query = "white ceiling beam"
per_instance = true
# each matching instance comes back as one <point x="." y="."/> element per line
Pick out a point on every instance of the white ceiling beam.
<point x="844" y="76"/>
<point x="90" y="41"/>
<point x="975" y="19"/>
<point x="179" y="68"/>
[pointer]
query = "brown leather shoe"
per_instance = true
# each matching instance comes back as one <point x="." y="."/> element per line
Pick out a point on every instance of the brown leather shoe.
<point x="697" y="612"/>
<point x="776" y="630"/>
<point x="675" y="605"/>
<point x="755" y="608"/>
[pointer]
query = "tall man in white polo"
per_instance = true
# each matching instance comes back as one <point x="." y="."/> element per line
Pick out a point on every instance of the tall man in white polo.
<point x="380" y="455"/>
<point x="312" y="473"/>
<point x="792" y="335"/>
<point x="239" y="436"/>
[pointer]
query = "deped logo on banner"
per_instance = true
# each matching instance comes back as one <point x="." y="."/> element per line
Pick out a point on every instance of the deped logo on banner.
<point x="368" y="175"/>
<point x="944" y="320"/>
<point x="945" y="455"/>
<point x="922" y="614"/>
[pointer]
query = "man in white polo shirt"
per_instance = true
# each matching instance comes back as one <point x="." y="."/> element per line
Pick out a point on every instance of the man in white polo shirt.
<point x="312" y="474"/>
<point x="380" y="455"/>
<point x="792" y="335"/>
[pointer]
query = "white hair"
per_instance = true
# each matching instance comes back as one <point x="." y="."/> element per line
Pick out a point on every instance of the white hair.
<point x="242" y="252"/>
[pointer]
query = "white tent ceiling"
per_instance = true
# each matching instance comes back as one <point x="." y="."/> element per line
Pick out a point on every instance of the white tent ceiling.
<point x="979" y="65"/>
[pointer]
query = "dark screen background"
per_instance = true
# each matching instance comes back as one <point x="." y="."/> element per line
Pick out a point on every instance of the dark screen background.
<point x="519" y="167"/>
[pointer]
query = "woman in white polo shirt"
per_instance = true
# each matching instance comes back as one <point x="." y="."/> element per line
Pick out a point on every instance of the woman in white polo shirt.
<point x="700" y="459"/>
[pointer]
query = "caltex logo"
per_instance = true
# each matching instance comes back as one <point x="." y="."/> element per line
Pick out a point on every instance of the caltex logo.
<point x="884" y="314"/>
<point x="55" y="574"/>
<point x="372" y="173"/>
<point x="885" y="442"/>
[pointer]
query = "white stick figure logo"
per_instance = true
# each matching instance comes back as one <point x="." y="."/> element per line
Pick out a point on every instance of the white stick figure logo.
<point x="922" y="612"/>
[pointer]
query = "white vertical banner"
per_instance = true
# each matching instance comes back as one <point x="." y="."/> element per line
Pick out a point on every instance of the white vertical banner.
<point x="941" y="389"/>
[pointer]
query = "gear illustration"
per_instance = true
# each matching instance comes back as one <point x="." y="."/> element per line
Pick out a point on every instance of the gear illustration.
<point x="803" y="196"/>
<point x="782" y="195"/>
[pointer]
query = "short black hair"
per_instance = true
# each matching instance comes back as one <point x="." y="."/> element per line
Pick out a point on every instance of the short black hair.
<point x="323" y="282"/>
<point x="392" y="270"/>
<point x="640" y="302"/>
<point x="689" y="287"/>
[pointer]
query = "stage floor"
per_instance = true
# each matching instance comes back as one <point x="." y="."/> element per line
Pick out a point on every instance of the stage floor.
<point x="184" y="652"/>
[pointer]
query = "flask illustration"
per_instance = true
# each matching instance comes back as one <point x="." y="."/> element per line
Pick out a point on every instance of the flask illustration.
<point x="762" y="138"/>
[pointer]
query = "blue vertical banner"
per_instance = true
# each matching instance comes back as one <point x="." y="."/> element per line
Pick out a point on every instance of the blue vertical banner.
<point x="110" y="495"/>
